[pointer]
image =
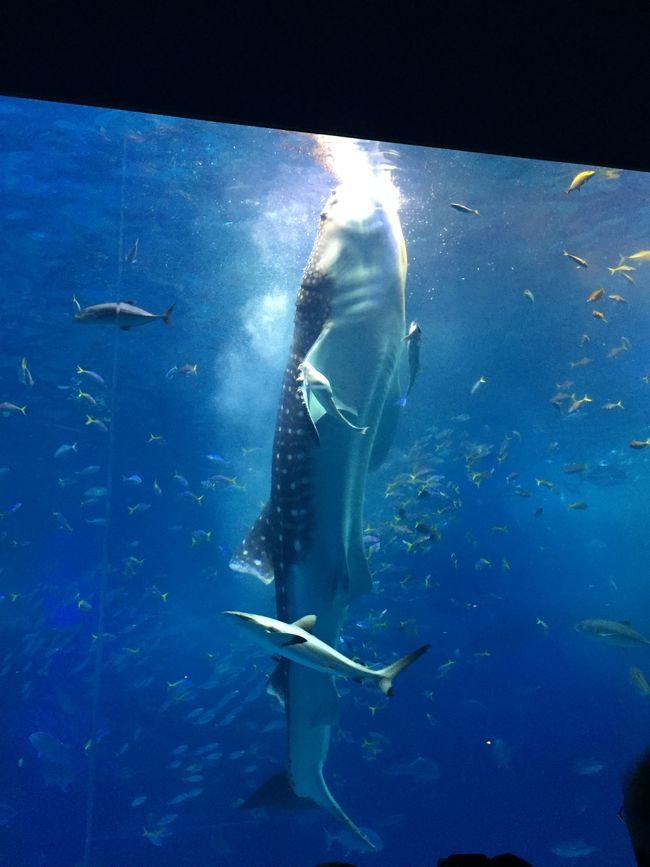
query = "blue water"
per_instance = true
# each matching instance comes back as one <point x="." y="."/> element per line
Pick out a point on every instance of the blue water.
<point x="510" y="734"/>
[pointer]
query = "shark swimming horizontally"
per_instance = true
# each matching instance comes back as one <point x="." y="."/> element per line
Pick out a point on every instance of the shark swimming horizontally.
<point x="295" y="641"/>
<point x="347" y="340"/>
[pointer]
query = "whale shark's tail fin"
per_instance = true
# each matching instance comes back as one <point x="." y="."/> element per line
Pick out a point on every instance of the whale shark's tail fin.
<point x="389" y="673"/>
<point x="326" y="800"/>
<point x="278" y="792"/>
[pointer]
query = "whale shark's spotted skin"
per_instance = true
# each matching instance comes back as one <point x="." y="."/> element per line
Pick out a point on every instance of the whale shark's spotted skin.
<point x="285" y="519"/>
<point x="349" y="323"/>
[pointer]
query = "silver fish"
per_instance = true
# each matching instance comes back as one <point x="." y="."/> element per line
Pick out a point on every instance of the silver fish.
<point x="121" y="313"/>
<point x="618" y="632"/>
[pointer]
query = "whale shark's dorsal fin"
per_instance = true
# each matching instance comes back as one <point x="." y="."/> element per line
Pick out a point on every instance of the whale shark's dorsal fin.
<point x="307" y="622"/>
<point x="252" y="556"/>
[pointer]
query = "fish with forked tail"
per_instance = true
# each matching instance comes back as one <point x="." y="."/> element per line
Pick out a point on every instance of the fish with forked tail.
<point x="414" y="339"/>
<point x="124" y="314"/>
<point x="617" y="632"/>
<point x="296" y="642"/>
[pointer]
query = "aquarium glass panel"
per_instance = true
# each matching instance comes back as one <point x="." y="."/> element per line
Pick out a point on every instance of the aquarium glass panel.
<point x="324" y="479"/>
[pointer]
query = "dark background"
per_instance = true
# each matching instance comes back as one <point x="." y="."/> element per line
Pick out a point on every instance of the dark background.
<point x="567" y="84"/>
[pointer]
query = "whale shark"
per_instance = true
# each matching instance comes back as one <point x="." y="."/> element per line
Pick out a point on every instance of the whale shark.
<point x="348" y="328"/>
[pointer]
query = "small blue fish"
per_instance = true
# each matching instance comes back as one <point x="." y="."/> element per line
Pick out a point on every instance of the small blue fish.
<point x="97" y="422"/>
<point x="158" y="836"/>
<point x="217" y="459"/>
<point x="88" y="471"/>
<point x="166" y="820"/>
<point x="183" y="369"/>
<point x="139" y="507"/>
<point x="91" y="374"/>
<point x="13" y="508"/>
<point x="132" y="480"/>
<point x="65" y="449"/>
<point x="198" y="535"/>
<point x="178" y="799"/>
<point x="96" y="492"/>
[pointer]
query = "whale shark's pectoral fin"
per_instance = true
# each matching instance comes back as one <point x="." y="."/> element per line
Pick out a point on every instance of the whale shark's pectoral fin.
<point x="314" y="409"/>
<point x="252" y="556"/>
<point x="335" y="359"/>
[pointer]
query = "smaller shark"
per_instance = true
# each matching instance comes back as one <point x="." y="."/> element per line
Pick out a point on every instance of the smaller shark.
<point x="295" y="641"/>
<point x="123" y="313"/>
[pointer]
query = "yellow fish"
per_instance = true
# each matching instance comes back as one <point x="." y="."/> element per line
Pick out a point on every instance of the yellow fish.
<point x="640" y="256"/>
<point x="621" y="268"/>
<point x="595" y="295"/>
<point x="580" y="179"/>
